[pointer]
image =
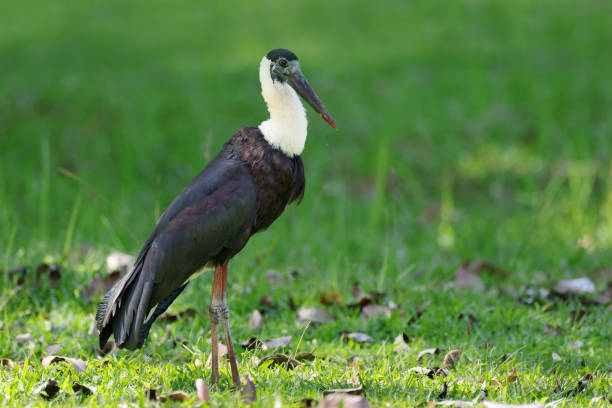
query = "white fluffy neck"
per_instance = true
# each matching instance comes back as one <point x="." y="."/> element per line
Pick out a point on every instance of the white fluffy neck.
<point x="286" y="128"/>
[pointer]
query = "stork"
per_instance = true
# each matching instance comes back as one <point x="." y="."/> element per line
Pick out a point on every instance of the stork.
<point x="240" y="192"/>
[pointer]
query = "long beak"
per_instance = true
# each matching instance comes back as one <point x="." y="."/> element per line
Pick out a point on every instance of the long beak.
<point x="301" y="86"/>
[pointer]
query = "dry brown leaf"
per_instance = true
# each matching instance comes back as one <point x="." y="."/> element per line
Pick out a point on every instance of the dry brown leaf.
<point x="274" y="277"/>
<point x="344" y="401"/>
<point x="305" y="356"/>
<point x="278" y="342"/>
<point x="605" y="298"/>
<point x="351" y="391"/>
<point x="48" y="389"/>
<point x="423" y="353"/>
<point x="267" y="301"/>
<point x="202" y="390"/>
<point x="401" y="342"/>
<point x="53" y="271"/>
<point x="151" y="393"/>
<point x="555" y="330"/>
<point x="281" y="360"/>
<point x="19" y="273"/>
<point x="331" y="298"/>
<point x="23" y="338"/>
<point x="359" y="337"/>
<point x="467" y="274"/>
<point x="442" y="394"/>
<point x="79" y="365"/>
<point x="85" y="389"/>
<point x="451" y="358"/>
<point x="249" y="392"/>
<point x="315" y="315"/>
<point x="254" y="343"/>
<point x="255" y="320"/>
<point x="7" y="362"/>
<point x="179" y="396"/>
<point x="371" y="311"/>
<point x="512" y="377"/>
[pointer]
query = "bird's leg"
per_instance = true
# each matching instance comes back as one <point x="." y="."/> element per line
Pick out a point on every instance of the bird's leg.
<point x="219" y="311"/>
<point x="228" y="335"/>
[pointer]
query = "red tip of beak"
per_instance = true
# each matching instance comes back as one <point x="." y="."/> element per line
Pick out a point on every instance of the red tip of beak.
<point x="330" y="121"/>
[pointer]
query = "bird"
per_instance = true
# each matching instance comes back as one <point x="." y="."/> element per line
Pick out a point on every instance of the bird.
<point x="242" y="191"/>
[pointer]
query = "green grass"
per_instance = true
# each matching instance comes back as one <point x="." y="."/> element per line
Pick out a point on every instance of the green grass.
<point x="468" y="130"/>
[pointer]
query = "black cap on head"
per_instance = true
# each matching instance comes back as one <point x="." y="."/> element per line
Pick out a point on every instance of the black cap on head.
<point x="281" y="53"/>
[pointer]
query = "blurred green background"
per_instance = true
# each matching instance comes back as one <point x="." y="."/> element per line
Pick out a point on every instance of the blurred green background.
<point x="468" y="129"/>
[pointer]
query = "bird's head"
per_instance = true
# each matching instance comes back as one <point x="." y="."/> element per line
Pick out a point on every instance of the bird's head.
<point x="285" y="68"/>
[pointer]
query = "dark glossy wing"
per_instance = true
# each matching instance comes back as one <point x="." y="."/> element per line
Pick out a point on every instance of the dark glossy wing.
<point x="209" y="221"/>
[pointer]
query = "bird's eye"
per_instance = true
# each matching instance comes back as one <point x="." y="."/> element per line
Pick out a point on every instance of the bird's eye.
<point x="283" y="63"/>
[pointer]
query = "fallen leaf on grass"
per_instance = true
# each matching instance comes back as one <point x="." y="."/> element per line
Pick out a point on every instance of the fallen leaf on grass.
<point x="267" y="301"/>
<point x="451" y="358"/>
<point x="100" y="285"/>
<point x="305" y="356"/>
<point x="248" y="395"/>
<point x="48" y="389"/>
<point x="281" y="360"/>
<point x="7" y="362"/>
<point x="467" y="274"/>
<point x="315" y="315"/>
<point x="79" y="365"/>
<point x="429" y="372"/>
<point x="274" y="277"/>
<point x="359" y="337"/>
<point x="423" y="353"/>
<point x="19" y="273"/>
<point x="575" y="286"/>
<point x="351" y="391"/>
<point x="278" y="342"/>
<point x="371" y="311"/>
<point x="556" y="357"/>
<point x="512" y="377"/>
<point x="255" y="320"/>
<point x="575" y="344"/>
<point x="581" y="386"/>
<point x="331" y="298"/>
<point x="556" y="330"/>
<point x="401" y="342"/>
<point x="442" y="395"/>
<point x="151" y="393"/>
<point x="254" y="343"/>
<point x="605" y="297"/>
<point x="202" y="390"/>
<point x="85" y="389"/>
<point x="344" y="401"/>
<point x="178" y="396"/>
<point x="23" y="338"/>
<point x="120" y="262"/>
<point x="53" y="271"/>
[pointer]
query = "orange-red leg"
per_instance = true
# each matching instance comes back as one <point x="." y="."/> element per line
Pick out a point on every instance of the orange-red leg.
<point x="219" y="311"/>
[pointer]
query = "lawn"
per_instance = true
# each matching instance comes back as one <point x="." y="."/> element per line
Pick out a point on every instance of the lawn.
<point x="472" y="173"/>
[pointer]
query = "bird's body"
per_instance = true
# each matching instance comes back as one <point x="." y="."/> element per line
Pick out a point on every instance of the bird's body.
<point x="240" y="192"/>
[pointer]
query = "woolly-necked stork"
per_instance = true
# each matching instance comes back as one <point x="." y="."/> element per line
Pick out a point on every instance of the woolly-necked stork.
<point x="240" y="192"/>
